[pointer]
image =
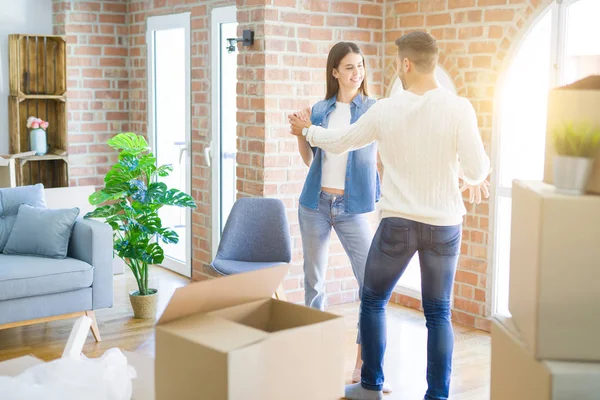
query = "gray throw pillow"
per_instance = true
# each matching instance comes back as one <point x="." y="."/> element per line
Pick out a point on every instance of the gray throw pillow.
<point x="10" y="201"/>
<point x="41" y="232"/>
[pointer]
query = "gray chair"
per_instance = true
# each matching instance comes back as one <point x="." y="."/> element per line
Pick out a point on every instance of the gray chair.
<point x="256" y="236"/>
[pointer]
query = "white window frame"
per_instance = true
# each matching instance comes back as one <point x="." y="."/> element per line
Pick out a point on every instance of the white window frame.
<point x="558" y="37"/>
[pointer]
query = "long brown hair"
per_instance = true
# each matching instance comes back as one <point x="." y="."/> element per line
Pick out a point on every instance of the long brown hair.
<point x="336" y="54"/>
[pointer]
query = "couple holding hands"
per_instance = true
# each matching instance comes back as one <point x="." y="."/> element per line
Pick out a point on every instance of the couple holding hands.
<point x="428" y="141"/>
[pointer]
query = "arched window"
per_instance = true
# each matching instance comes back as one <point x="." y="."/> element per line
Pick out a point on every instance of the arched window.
<point x="559" y="49"/>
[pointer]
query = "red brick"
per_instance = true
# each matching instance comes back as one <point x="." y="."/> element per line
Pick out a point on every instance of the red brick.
<point x="116" y="51"/>
<point x="412" y="21"/>
<point x="112" y="19"/>
<point x="375" y="10"/>
<point x="470" y="32"/>
<point x="438" y="19"/>
<point x="406" y="8"/>
<point x="486" y="3"/>
<point x="501" y="14"/>
<point x="115" y="7"/>
<point x="452" y="4"/>
<point x="341" y="7"/>
<point x="466" y="277"/>
<point x="339" y="20"/>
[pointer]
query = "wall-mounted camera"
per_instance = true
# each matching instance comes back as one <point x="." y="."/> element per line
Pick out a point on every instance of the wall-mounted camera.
<point x="247" y="39"/>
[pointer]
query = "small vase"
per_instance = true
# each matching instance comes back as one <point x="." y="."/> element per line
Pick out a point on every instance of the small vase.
<point x="571" y="174"/>
<point x="38" y="142"/>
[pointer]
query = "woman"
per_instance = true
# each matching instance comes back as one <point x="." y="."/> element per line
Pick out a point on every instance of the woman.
<point x="339" y="189"/>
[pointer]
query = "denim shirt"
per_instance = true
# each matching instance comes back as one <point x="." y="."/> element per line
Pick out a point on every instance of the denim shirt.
<point x="361" y="190"/>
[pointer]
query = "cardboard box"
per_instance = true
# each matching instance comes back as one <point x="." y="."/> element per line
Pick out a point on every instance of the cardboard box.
<point x="577" y="102"/>
<point x="227" y="339"/>
<point x="516" y="375"/>
<point x="555" y="272"/>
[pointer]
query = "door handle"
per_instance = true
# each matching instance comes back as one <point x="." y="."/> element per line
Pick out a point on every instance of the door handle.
<point x="207" y="154"/>
<point x="183" y="148"/>
<point x="181" y="153"/>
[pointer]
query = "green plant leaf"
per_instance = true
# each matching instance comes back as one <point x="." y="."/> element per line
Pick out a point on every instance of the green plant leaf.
<point x="175" y="197"/>
<point x="154" y="254"/>
<point x="109" y="193"/>
<point x="156" y="191"/>
<point x="129" y="142"/>
<point x="164" y="170"/>
<point x="150" y="224"/>
<point x="168" y="236"/>
<point x="104" y="211"/>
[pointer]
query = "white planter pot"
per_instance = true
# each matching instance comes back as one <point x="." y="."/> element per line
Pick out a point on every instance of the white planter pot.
<point x="571" y="174"/>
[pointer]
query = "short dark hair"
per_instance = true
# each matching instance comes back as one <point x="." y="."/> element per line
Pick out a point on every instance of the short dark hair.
<point x="420" y="48"/>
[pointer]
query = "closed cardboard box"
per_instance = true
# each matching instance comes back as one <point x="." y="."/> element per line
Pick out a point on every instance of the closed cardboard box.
<point x="555" y="272"/>
<point x="517" y="375"/>
<point x="227" y="339"/>
<point x="577" y="102"/>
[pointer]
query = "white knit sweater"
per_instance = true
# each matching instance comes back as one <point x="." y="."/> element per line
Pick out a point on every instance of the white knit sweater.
<point x="421" y="139"/>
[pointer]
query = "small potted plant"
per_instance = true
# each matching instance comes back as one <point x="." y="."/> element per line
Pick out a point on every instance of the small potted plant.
<point x="130" y="202"/>
<point x="38" y="141"/>
<point x="577" y="146"/>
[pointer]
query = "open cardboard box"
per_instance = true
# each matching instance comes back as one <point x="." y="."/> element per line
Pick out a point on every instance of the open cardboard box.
<point x="227" y="339"/>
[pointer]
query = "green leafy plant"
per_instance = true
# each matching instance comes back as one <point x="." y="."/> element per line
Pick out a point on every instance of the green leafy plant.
<point x="130" y="202"/>
<point x="576" y="139"/>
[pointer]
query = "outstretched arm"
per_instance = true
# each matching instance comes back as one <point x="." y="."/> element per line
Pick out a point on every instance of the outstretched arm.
<point x="337" y="141"/>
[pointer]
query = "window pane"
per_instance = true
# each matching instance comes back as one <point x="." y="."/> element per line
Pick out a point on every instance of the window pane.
<point x="582" y="47"/>
<point x="524" y="108"/>
<point x="503" y="254"/>
<point x="169" y="101"/>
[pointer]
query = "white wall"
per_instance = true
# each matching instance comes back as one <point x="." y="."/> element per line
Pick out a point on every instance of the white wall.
<point x="18" y="16"/>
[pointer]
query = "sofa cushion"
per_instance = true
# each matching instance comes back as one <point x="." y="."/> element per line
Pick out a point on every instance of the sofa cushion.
<point x="41" y="232"/>
<point x="10" y="200"/>
<point x="25" y="276"/>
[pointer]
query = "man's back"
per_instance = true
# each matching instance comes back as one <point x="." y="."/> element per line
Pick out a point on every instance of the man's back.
<point x="420" y="138"/>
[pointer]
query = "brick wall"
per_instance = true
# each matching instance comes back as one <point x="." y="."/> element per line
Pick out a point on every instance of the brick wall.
<point x="98" y="82"/>
<point x="283" y="72"/>
<point x="475" y="37"/>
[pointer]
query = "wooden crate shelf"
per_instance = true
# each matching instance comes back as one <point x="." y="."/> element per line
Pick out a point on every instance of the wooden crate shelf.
<point x="37" y="65"/>
<point x="38" y="87"/>
<point x="51" y="171"/>
<point x="51" y="110"/>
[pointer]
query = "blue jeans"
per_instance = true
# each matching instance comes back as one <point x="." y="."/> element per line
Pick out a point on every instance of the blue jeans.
<point x="354" y="233"/>
<point x="395" y="243"/>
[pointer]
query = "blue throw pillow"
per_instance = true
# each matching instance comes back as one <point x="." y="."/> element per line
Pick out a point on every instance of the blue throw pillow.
<point x="41" y="232"/>
<point x="10" y="201"/>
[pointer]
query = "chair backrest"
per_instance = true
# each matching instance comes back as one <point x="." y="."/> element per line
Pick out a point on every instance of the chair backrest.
<point x="256" y="230"/>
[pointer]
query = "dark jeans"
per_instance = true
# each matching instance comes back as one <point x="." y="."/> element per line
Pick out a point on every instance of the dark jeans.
<point x="394" y="245"/>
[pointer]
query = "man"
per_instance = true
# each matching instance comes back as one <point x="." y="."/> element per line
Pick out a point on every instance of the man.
<point x="422" y="132"/>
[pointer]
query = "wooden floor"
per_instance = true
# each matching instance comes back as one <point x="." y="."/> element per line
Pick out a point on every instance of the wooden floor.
<point x="404" y="365"/>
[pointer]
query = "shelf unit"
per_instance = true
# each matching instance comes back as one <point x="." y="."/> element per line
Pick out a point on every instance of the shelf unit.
<point x="38" y="86"/>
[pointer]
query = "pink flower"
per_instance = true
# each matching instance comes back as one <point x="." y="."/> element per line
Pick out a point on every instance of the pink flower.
<point x="44" y="125"/>
<point x="30" y="121"/>
<point x="35" y="125"/>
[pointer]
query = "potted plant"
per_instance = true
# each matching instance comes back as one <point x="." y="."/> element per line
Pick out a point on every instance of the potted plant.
<point x="576" y="146"/>
<point x="130" y="202"/>
<point x="38" y="141"/>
